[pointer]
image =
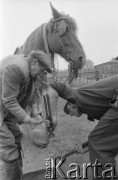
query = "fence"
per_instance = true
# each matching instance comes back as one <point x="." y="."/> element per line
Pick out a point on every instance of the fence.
<point x="88" y="77"/>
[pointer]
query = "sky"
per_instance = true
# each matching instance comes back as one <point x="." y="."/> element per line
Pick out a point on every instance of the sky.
<point x="97" y="22"/>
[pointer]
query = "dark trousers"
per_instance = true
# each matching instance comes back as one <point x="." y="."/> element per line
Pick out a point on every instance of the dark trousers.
<point x="10" y="150"/>
<point x="11" y="170"/>
<point x="103" y="145"/>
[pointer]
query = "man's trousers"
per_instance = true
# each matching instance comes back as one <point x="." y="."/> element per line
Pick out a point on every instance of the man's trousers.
<point x="103" y="145"/>
<point x="10" y="150"/>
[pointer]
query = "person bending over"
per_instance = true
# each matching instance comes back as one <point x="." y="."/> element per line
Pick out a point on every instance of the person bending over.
<point x="98" y="100"/>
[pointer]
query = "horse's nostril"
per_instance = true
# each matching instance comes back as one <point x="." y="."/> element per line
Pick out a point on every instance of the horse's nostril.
<point x="82" y="61"/>
<point x="81" y="58"/>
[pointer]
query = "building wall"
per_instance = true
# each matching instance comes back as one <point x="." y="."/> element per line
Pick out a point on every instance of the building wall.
<point x="107" y="69"/>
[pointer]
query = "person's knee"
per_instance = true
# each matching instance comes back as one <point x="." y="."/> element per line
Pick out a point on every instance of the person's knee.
<point x="11" y="170"/>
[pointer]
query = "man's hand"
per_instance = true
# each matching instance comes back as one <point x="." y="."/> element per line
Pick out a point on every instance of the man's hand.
<point x="34" y="121"/>
<point x="114" y="101"/>
<point x="39" y="118"/>
<point x="81" y="150"/>
<point x="47" y="123"/>
<point x="115" y="104"/>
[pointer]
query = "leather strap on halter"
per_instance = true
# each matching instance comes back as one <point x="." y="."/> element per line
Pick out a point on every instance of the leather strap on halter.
<point x="45" y="40"/>
<point x="46" y="44"/>
<point x="58" y="19"/>
<point x="51" y="56"/>
<point x="64" y="50"/>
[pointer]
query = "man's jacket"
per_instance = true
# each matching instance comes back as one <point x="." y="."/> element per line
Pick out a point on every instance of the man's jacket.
<point x="14" y="79"/>
<point x="93" y="99"/>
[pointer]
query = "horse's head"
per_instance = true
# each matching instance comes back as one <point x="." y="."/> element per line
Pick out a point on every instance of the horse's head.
<point x="62" y="39"/>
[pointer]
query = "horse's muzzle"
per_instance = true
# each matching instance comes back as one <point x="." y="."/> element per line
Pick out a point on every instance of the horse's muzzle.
<point x="82" y="61"/>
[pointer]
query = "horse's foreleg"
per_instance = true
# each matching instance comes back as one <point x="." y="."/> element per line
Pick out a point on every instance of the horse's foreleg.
<point x="53" y="95"/>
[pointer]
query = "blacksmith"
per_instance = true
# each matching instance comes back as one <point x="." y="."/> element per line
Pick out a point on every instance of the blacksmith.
<point x="18" y="74"/>
<point x="99" y="101"/>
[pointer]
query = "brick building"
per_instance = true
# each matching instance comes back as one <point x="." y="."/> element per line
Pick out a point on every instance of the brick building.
<point x="107" y="69"/>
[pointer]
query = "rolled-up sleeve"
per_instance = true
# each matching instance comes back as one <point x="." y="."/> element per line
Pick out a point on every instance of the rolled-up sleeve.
<point x="11" y="82"/>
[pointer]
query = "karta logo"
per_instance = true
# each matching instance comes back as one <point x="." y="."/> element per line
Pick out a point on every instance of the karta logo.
<point x="54" y="167"/>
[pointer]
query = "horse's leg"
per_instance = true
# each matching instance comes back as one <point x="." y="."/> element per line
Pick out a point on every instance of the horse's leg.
<point x="53" y="100"/>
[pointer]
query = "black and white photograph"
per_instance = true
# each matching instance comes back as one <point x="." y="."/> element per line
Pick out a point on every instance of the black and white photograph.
<point x="58" y="89"/>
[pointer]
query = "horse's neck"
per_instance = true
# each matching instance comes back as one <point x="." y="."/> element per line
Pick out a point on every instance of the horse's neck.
<point x="34" y="41"/>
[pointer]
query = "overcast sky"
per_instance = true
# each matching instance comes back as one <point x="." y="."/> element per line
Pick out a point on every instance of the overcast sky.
<point x="97" y="22"/>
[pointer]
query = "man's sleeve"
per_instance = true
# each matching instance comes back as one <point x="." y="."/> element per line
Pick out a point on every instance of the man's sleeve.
<point x="11" y="82"/>
<point x="63" y="91"/>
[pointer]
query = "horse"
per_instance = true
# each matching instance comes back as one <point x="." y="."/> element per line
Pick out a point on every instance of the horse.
<point x="58" y="36"/>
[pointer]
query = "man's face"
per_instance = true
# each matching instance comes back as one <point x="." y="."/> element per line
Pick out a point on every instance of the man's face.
<point x="73" y="110"/>
<point x="36" y="68"/>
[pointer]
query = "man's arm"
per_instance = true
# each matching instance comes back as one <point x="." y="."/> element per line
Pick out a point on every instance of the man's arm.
<point x="11" y="81"/>
<point x="55" y="90"/>
<point x="63" y="91"/>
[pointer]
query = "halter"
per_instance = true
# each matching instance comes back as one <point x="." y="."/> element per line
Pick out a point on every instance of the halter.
<point x="63" y="49"/>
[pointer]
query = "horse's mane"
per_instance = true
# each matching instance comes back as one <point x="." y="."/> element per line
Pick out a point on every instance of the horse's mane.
<point x="35" y="39"/>
<point x="71" y="22"/>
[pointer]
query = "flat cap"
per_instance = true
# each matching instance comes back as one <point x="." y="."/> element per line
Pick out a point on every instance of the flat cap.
<point x="43" y="59"/>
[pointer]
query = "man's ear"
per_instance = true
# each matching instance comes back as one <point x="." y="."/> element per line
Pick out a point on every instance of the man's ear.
<point x="73" y="105"/>
<point x="34" y="61"/>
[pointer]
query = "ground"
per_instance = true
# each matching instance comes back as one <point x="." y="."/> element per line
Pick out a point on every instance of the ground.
<point x="69" y="132"/>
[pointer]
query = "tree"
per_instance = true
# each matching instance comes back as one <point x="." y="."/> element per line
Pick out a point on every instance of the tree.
<point x="89" y="66"/>
<point x="114" y="59"/>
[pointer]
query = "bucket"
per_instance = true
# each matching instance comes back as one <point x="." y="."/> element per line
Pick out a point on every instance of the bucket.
<point x="40" y="135"/>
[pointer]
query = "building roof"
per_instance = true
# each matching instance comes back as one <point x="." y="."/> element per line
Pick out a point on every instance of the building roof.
<point x="106" y="63"/>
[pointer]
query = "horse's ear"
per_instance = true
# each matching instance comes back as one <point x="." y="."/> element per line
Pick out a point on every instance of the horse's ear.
<point x="55" y="13"/>
<point x="61" y="28"/>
